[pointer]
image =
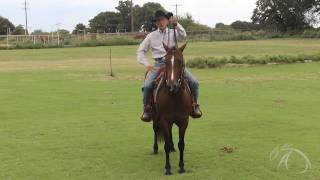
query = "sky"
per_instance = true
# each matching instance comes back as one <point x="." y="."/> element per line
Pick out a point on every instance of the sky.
<point x="45" y="14"/>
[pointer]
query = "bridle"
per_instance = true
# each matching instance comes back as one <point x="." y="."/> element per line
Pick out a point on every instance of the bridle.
<point x="182" y="74"/>
<point x="173" y="51"/>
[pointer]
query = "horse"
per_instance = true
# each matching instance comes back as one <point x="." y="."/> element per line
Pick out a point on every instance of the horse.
<point x="173" y="104"/>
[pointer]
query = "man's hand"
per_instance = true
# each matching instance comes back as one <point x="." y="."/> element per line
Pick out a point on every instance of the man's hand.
<point x="150" y="68"/>
<point x="173" y="20"/>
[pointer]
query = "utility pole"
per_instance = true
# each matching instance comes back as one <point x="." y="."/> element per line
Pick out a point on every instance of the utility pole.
<point x="26" y="16"/>
<point x="177" y="5"/>
<point x="132" y="26"/>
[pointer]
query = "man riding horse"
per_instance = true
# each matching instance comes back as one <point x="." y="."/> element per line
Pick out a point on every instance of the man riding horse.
<point x="155" y="41"/>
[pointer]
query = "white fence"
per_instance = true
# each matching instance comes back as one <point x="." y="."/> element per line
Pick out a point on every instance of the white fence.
<point x="12" y="40"/>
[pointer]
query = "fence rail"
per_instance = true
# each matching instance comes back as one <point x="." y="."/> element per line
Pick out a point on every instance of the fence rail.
<point x="121" y="38"/>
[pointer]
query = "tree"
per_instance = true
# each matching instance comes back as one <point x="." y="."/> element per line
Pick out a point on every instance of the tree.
<point x="220" y="25"/>
<point x="109" y="22"/>
<point x="4" y="25"/>
<point x="19" y="30"/>
<point x="39" y="32"/>
<point x="143" y="15"/>
<point x="286" y="15"/>
<point x="244" y="26"/>
<point x="190" y="25"/>
<point x="80" y="28"/>
<point x="124" y="9"/>
<point x="64" y="33"/>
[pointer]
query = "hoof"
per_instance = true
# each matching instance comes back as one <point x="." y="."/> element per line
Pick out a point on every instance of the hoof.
<point x="181" y="171"/>
<point x="168" y="173"/>
<point x="155" y="153"/>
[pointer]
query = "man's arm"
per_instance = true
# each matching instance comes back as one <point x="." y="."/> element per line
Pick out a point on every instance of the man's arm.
<point x="142" y="50"/>
<point x="181" y="32"/>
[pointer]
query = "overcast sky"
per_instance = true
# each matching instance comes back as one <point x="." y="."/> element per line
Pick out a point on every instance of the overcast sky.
<point x="43" y="14"/>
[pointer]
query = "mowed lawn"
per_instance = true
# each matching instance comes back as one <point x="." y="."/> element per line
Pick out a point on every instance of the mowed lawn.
<point x="63" y="117"/>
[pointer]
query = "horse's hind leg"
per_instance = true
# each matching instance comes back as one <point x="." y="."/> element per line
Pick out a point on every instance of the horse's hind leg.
<point x="156" y="130"/>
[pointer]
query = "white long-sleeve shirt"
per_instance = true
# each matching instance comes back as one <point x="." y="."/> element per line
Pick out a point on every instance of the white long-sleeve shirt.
<point x="154" y="41"/>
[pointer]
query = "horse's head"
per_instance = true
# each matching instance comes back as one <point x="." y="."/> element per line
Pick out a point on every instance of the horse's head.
<point x="174" y="67"/>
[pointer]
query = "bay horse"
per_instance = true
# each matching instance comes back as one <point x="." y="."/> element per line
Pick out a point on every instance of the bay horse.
<point x="173" y="105"/>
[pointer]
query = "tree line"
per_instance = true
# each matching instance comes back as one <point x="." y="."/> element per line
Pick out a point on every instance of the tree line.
<point x="286" y="16"/>
<point x="120" y="21"/>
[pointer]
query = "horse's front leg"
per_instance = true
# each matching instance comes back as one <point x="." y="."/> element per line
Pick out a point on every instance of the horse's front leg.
<point x="182" y="130"/>
<point x="172" y="149"/>
<point x="167" y="146"/>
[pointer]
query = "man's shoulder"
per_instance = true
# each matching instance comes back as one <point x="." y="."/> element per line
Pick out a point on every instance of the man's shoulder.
<point x="152" y="32"/>
<point x="150" y="35"/>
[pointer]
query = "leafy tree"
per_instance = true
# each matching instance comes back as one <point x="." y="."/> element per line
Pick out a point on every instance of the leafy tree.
<point x="4" y="25"/>
<point x="220" y="25"/>
<point x="19" y="30"/>
<point x="80" y="28"/>
<point x="143" y="15"/>
<point x="124" y="9"/>
<point x="64" y="32"/>
<point x="108" y="22"/>
<point x="244" y="26"/>
<point x="190" y="25"/>
<point x="39" y="32"/>
<point x="286" y="15"/>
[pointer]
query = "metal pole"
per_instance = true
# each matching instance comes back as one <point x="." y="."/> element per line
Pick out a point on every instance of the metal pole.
<point x="132" y="26"/>
<point x="51" y="37"/>
<point x="111" y="73"/>
<point x="26" y="16"/>
<point x="58" y="38"/>
<point x="176" y="5"/>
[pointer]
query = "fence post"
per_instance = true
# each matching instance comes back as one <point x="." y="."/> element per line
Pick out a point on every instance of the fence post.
<point x="8" y="38"/>
<point x="58" y="38"/>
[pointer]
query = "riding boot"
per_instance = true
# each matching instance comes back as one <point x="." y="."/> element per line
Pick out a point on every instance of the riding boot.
<point x="196" y="112"/>
<point x="147" y="114"/>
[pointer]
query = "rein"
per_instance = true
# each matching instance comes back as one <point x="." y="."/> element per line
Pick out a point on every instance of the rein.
<point x="173" y="52"/>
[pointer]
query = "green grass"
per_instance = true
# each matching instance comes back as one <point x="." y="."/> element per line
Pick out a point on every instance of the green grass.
<point x="63" y="118"/>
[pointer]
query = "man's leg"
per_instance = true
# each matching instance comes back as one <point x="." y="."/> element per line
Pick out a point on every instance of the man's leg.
<point x="194" y="85"/>
<point x="147" y="90"/>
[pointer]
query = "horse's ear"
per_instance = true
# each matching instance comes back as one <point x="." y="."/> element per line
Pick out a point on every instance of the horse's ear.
<point x="166" y="47"/>
<point x="184" y="46"/>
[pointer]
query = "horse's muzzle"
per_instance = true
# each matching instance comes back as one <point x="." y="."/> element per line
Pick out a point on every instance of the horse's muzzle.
<point x="174" y="88"/>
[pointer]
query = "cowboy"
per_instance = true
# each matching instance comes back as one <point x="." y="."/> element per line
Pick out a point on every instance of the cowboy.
<point x="154" y="42"/>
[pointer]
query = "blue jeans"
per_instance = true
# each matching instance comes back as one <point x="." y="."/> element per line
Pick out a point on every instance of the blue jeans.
<point x="152" y="76"/>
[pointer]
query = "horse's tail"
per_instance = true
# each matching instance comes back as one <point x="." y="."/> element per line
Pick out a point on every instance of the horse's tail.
<point x="159" y="132"/>
<point x="160" y="135"/>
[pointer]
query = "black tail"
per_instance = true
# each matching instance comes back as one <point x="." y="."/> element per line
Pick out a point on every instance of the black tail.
<point x="160" y="135"/>
<point x="159" y="132"/>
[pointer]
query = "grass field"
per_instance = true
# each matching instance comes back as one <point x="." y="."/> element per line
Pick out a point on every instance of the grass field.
<point x="63" y="118"/>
